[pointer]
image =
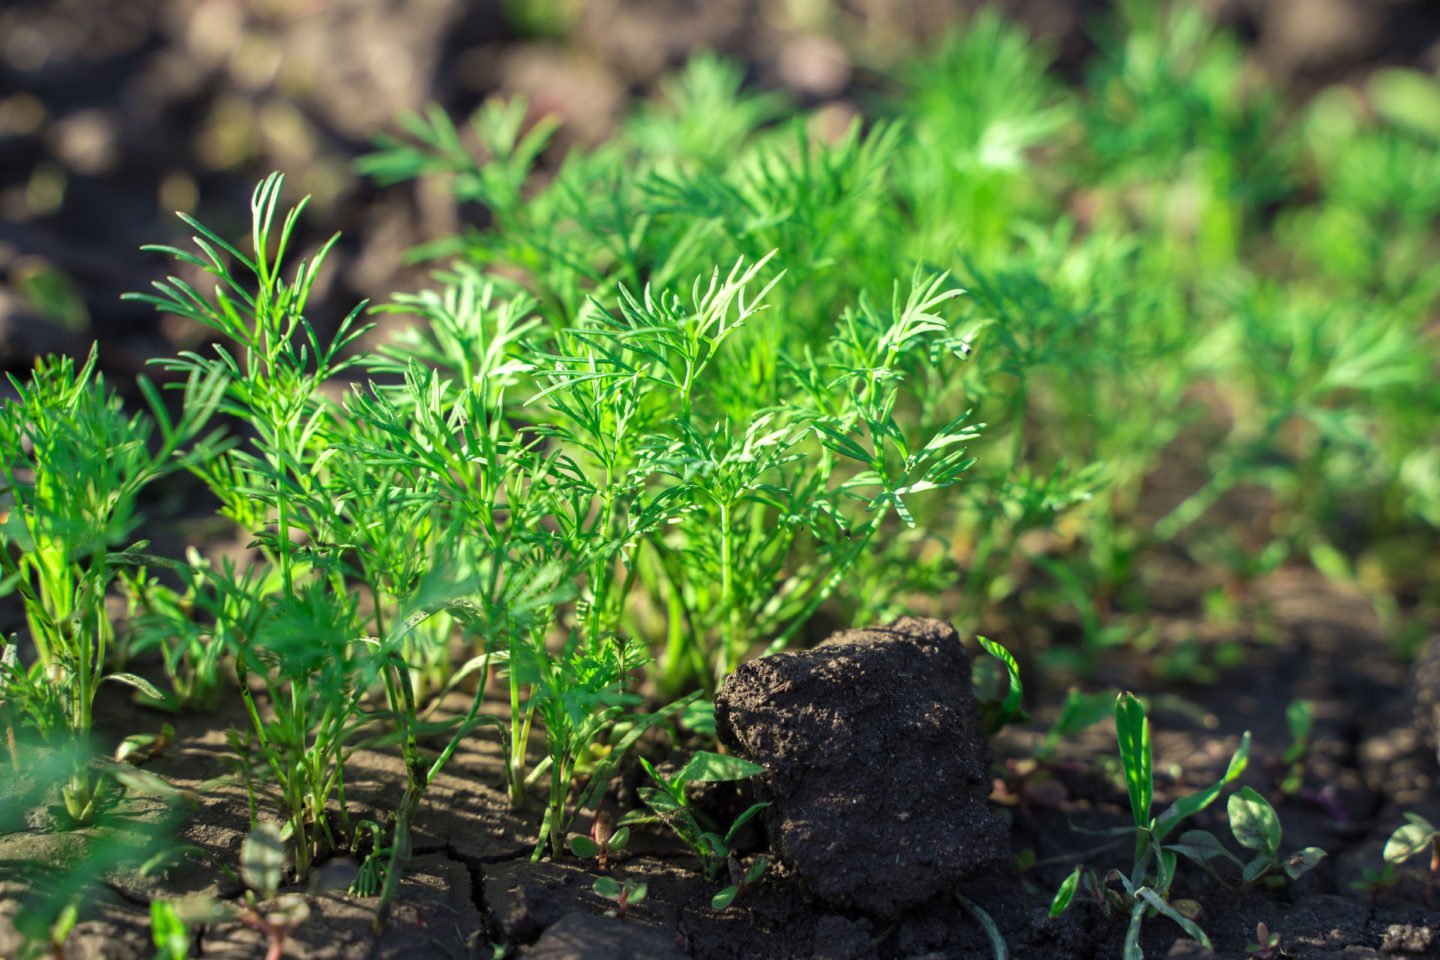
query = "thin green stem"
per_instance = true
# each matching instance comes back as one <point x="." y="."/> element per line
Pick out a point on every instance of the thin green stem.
<point x="837" y="576"/>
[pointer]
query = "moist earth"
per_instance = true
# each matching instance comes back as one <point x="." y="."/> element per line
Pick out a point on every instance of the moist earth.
<point x="855" y="706"/>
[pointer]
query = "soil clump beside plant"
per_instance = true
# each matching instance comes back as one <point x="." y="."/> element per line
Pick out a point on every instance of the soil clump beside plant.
<point x="876" y="764"/>
<point x="1181" y="298"/>
<point x="1363" y="744"/>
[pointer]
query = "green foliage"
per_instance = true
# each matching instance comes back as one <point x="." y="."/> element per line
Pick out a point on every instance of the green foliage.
<point x="1086" y="335"/>
<point x="687" y="389"/>
<point x="1132" y="731"/>
<point x="55" y="893"/>
<point x="1417" y="836"/>
<point x="669" y="803"/>
<point x="73" y="465"/>
<point x="168" y="929"/>
<point x="998" y="948"/>
<point x="1257" y="828"/>
<point x="1145" y="890"/>
<point x="742" y="878"/>
<point x="1065" y="893"/>
<point x="1376" y="881"/>
<point x="1079" y="711"/>
<point x="602" y="842"/>
<point x="1266" y="943"/>
<point x="273" y="914"/>
<point x="624" y="894"/>
<point x="1007" y="709"/>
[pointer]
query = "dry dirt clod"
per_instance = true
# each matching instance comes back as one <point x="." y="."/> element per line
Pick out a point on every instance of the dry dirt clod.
<point x="876" y="764"/>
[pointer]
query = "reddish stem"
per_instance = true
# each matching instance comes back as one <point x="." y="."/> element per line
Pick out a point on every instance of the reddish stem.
<point x="1434" y="869"/>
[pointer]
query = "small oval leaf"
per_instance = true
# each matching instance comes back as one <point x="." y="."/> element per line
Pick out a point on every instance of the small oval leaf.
<point x="1253" y="821"/>
<point x="1301" y="863"/>
<point x="724" y="898"/>
<point x="1065" y="894"/>
<point x="1412" y="839"/>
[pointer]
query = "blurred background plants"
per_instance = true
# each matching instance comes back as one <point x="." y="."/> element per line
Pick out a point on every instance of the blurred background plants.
<point x="742" y="372"/>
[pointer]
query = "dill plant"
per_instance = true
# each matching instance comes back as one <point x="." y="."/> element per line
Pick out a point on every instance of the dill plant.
<point x="367" y="496"/>
<point x="73" y="465"/>
<point x="693" y="386"/>
<point x="370" y="495"/>
<point x="775" y="417"/>
<point x="290" y="620"/>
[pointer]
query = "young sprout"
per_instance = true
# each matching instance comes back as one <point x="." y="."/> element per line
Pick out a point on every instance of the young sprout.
<point x="168" y="929"/>
<point x="140" y="748"/>
<point x="1066" y="893"/>
<point x="1145" y="891"/>
<point x="1266" y="945"/>
<point x="1001" y="709"/>
<point x="58" y="932"/>
<point x="741" y="880"/>
<point x="624" y="895"/>
<point x="1257" y="828"/>
<point x="998" y="948"/>
<point x="1375" y="882"/>
<point x="273" y="914"/>
<point x="1079" y="711"/>
<point x="601" y="842"/>
<point x="1416" y="837"/>
<point x="1300" y="718"/>
<point x="374" y="869"/>
<point x="669" y="804"/>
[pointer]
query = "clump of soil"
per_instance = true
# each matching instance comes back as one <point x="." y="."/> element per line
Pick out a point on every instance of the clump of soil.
<point x="876" y="766"/>
<point x="853" y="712"/>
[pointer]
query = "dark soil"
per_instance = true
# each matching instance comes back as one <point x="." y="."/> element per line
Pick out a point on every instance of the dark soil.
<point x="471" y="885"/>
<point x="140" y="107"/>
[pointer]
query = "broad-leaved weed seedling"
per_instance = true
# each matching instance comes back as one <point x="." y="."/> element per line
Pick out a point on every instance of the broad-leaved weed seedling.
<point x="602" y="842"/>
<point x="1376" y="881"/>
<point x="1417" y="836"/>
<point x="1266" y="945"/>
<point x="742" y="878"/>
<point x="1256" y="827"/>
<point x="1300" y="718"/>
<point x="1145" y="890"/>
<point x="264" y="908"/>
<point x="624" y="894"/>
<point x="669" y="804"/>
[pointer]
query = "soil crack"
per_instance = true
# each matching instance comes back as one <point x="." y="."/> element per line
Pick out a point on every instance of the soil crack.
<point x="133" y="899"/>
<point x="475" y="867"/>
